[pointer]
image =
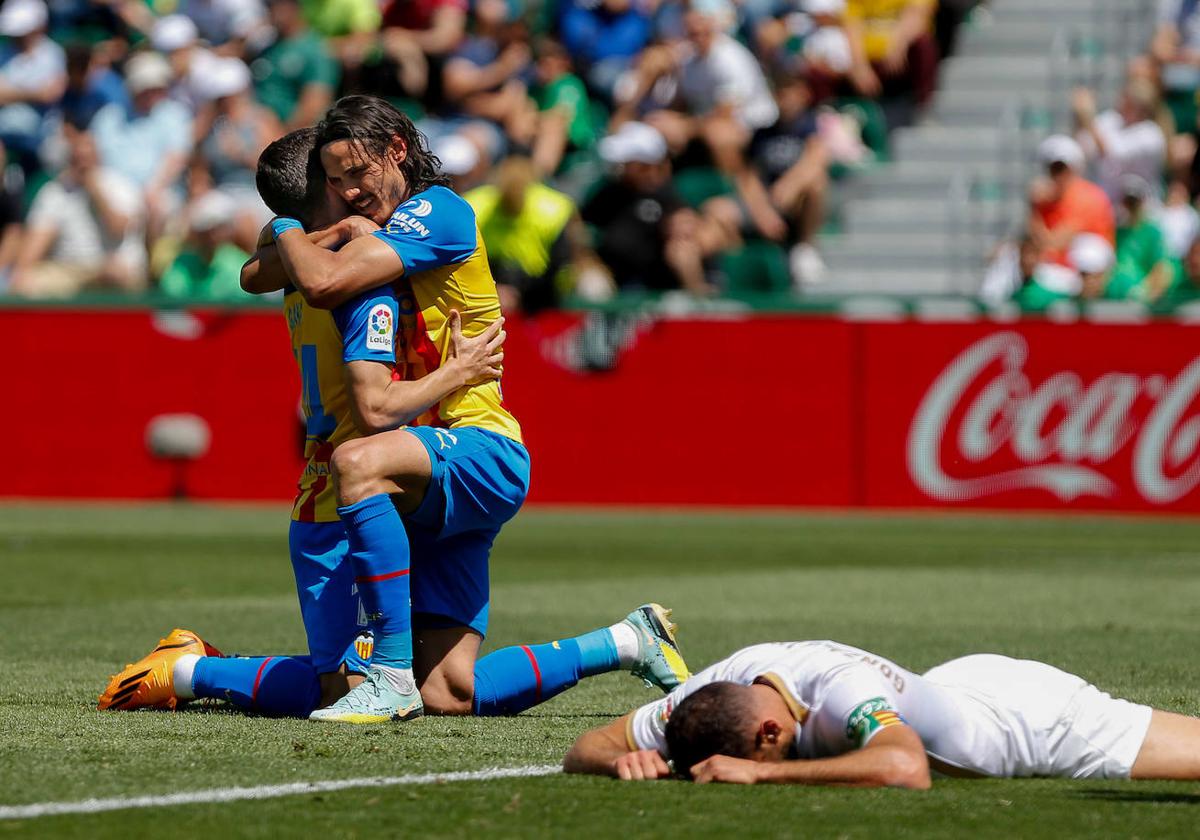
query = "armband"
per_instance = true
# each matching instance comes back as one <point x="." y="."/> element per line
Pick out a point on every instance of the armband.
<point x="869" y="717"/>
<point x="280" y="224"/>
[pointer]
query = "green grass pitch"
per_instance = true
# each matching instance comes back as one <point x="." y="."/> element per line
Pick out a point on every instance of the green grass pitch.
<point x="84" y="589"/>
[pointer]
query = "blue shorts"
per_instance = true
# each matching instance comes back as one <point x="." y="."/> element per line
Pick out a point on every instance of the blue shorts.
<point x="329" y="603"/>
<point x="478" y="483"/>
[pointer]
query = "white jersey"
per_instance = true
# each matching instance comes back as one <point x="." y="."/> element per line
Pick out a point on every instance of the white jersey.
<point x="981" y="715"/>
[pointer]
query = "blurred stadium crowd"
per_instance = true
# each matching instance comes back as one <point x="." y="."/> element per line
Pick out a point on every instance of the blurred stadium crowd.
<point x="605" y="144"/>
<point x="1112" y="214"/>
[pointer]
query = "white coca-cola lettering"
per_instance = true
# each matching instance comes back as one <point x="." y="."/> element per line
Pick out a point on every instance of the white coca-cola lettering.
<point x="1157" y="447"/>
<point x="1057" y="430"/>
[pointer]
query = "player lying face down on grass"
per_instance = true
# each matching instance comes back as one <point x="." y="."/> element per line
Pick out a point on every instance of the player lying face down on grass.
<point x="430" y="496"/>
<point x="823" y="713"/>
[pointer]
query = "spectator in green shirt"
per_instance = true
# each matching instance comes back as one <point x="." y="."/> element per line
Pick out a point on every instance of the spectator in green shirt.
<point x="295" y="77"/>
<point x="1143" y="271"/>
<point x="566" y="122"/>
<point x="209" y="266"/>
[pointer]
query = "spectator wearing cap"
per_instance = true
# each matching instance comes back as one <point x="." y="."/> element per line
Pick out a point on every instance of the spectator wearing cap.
<point x="1122" y="141"/>
<point x="84" y="230"/>
<point x="1064" y="204"/>
<point x="177" y="38"/>
<point x="295" y="76"/>
<point x="893" y="51"/>
<point x="33" y="75"/>
<point x="1143" y="271"/>
<point x="533" y="235"/>
<point x="488" y="76"/>
<point x="148" y="144"/>
<point x="462" y="160"/>
<point x="827" y="46"/>
<point x="91" y="84"/>
<point x="239" y="131"/>
<point x="644" y="233"/>
<point x="1091" y="260"/>
<point x="209" y="266"/>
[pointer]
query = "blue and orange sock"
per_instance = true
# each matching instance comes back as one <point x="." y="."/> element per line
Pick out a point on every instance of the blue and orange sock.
<point x="514" y="679"/>
<point x="278" y="686"/>
<point x="379" y="551"/>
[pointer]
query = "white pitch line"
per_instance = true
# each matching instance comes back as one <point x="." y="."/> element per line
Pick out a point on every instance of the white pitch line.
<point x="236" y="794"/>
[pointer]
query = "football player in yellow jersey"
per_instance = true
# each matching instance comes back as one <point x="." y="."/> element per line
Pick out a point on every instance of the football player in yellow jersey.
<point x="329" y="347"/>
<point x="449" y="582"/>
<point x="457" y="474"/>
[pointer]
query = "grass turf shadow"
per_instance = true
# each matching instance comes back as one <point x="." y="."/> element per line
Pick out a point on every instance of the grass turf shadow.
<point x="1143" y="796"/>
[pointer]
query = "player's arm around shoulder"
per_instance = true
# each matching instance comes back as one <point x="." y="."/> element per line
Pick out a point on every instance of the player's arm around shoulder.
<point x="329" y="278"/>
<point x="895" y="757"/>
<point x="264" y="271"/>
<point x="608" y="751"/>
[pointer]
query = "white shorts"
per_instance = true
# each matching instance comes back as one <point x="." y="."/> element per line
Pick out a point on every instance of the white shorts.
<point x="1025" y="718"/>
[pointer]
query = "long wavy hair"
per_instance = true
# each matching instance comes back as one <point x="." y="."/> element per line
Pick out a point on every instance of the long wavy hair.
<point x="371" y="124"/>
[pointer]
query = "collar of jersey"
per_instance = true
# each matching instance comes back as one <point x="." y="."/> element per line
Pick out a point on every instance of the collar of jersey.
<point x="799" y="710"/>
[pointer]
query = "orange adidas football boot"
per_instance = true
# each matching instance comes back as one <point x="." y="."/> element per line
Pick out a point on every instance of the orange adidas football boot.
<point x="149" y="683"/>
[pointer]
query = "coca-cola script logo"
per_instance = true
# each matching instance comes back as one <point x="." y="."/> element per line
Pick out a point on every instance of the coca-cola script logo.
<point x="1054" y="435"/>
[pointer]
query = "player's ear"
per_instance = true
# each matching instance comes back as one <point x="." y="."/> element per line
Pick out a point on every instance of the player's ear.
<point x="398" y="150"/>
<point x="769" y="733"/>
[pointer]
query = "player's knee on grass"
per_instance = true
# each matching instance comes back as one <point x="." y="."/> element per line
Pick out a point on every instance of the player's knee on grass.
<point x="444" y="661"/>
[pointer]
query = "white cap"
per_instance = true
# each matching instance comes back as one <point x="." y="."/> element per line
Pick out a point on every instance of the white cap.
<point x="146" y="71"/>
<point x="1091" y="253"/>
<point x="1059" y="148"/>
<point x="221" y="76"/>
<point x="830" y="46"/>
<point x="173" y="32"/>
<point x="457" y="154"/>
<point x="1058" y="279"/>
<point x="211" y="210"/>
<point x="824" y="7"/>
<point x="634" y="142"/>
<point x="20" y="17"/>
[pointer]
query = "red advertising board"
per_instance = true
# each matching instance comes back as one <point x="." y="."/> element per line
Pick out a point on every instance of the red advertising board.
<point x="755" y="410"/>
<point x="1033" y="415"/>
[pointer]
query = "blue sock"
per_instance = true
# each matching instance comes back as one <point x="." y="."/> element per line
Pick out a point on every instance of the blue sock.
<point x="514" y="679"/>
<point x="598" y="652"/>
<point x="379" y="552"/>
<point x="279" y="686"/>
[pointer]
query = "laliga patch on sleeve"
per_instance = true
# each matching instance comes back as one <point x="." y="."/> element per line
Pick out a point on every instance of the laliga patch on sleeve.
<point x="381" y="328"/>
<point x="869" y="717"/>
